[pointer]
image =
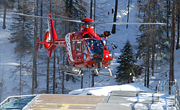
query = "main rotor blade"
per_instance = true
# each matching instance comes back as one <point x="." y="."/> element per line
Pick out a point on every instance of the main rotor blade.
<point x="60" y="19"/>
<point x="120" y="23"/>
<point x="79" y="21"/>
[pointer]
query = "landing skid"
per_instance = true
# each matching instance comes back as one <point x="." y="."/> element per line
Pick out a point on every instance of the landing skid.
<point x="110" y="73"/>
<point x="71" y="70"/>
<point x="75" y="71"/>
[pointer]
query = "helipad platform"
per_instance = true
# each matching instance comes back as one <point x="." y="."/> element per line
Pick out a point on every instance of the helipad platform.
<point x="63" y="102"/>
<point x="116" y="100"/>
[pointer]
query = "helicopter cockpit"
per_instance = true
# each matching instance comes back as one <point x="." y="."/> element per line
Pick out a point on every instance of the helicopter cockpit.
<point x="96" y="47"/>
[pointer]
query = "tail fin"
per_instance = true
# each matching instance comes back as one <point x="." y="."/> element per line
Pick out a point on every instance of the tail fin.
<point x="52" y="35"/>
<point x="49" y="37"/>
<point x="51" y="28"/>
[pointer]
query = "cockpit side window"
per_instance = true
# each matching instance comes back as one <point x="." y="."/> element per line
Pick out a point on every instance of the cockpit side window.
<point x="78" y="46"/>
<point x="73" y="45"/>
<point x="84" y="48"/>
<point x="108" y="46"/>
<point x="86" y="36"/>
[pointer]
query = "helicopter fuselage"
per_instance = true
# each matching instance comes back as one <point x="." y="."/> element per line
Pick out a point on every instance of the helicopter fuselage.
<point x="84" y="50"/>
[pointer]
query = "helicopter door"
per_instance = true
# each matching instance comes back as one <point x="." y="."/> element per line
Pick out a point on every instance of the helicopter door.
<point x="84" y="51"/>
<point x="74" y="50"/>
<point x="78" y="51"/>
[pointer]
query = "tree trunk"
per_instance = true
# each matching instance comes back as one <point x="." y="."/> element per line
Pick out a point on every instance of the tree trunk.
<point x="153" y="37"/>
<point x="148" y="43"/>
<point x="145" y="78"/>
<point x="128" y="14"/>
<point x="91" y="9"/>
<point x="115" y="14"/>
<point x="34" y="76"/>
<point x="171" y="75"/>
<point x="47" y="85"/>
<point x="82" y="80"/>
<point x="20" y="63"/>
<point x="92" y="79"/>
<point x="178" y="17"/>
<point x="41" y="23"/>
<point x="4" y="18"/>
<point x="94" y="14"/>
<point x="148" y="60"/>
<point x="54" y="73"/>
<point x="63" y="72"/>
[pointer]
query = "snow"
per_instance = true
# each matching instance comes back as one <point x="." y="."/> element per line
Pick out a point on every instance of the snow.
<point x="146" y="98"/>
<point x="105" y="90"/>
<point x="7" y="61"/>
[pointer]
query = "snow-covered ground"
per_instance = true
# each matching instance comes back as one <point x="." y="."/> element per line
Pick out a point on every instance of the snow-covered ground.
<point x="105" y="90"/>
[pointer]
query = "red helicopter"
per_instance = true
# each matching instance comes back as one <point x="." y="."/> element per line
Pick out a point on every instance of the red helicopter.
<point x="86" y="50"/>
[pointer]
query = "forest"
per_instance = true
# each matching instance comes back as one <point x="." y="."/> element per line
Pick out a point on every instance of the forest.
<point x="155" y="47"/>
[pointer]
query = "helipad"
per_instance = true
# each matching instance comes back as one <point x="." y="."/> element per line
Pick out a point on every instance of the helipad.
<point x="63" y="102"/>
<point x="116" y="100"/>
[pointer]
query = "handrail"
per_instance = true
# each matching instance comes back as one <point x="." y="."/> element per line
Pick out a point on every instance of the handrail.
<point x="174" y="92"/>
<point x="177" y="98"/>
<point x="19" y="96"/>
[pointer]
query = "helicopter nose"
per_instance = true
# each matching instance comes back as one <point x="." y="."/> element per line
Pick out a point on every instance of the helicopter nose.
<point x="106" y="56"/>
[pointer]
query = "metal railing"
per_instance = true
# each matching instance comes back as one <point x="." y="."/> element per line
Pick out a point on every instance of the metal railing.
<point x="12" y="98"/>
<point x="177" y="97"/>
<point x="163" y="87"/>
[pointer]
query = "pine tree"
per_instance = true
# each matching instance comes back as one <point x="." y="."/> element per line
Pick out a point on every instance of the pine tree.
<point x="21" y="30"/>
<point x="153" y="43"/>
<point x="21" y="35"/>
<point x="126" y="61"/>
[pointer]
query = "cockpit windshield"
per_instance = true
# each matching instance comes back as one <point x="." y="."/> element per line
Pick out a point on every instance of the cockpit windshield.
<point x="96" y="47"/>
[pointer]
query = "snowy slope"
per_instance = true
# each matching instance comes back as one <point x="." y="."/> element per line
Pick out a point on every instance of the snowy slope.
<point x="7" y="61"/>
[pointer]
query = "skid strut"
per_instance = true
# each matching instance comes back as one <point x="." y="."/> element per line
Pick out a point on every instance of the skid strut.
<point x="71" y="70"/>
<point x="75" y="71"/>
<point x="110" y="73"/>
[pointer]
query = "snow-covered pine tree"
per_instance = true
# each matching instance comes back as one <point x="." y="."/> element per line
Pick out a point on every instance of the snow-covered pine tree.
<point x="126" y="61"/>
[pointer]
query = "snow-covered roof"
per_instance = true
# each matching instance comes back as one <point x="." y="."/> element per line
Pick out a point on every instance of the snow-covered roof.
<point x="105" y="90"/>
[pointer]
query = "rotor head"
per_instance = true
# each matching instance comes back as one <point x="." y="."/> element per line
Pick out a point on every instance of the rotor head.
<point x="87" y="22"/>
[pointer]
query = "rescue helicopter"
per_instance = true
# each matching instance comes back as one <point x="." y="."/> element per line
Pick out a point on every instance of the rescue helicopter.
<point x="86" y="50"/>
